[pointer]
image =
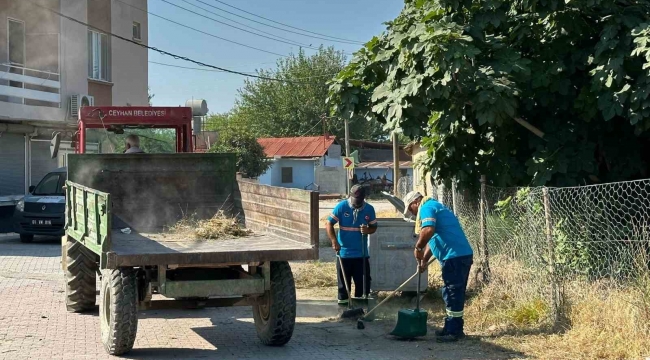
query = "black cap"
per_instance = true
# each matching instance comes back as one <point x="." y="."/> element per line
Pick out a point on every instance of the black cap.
<point x="357" y="195"/>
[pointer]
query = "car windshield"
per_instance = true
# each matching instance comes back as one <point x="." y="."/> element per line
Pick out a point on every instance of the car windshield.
<point x="52" y="184"/>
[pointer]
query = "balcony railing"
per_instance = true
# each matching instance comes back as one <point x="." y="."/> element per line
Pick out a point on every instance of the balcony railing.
<point x="19" y="84"/>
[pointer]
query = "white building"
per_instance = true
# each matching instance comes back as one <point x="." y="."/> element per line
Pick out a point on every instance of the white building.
<point x="49" y="65"/>
<point x="308" y="162"/>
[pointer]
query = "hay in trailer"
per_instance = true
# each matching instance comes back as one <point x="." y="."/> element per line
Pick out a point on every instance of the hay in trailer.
<point x="218" y="227"/>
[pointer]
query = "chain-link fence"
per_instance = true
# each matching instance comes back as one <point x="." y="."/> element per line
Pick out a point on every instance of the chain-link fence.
<point x="543" y="242"/>
<point x="404" y="185"/>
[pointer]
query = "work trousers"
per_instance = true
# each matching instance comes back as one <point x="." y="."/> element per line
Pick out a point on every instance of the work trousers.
<point x="455" y="273"/>
<point x="353" y="270"/>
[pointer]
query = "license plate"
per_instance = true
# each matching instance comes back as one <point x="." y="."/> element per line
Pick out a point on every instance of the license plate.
<point x="41" y="222"/>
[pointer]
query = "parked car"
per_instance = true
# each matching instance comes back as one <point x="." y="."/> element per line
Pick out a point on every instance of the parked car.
<point x="42" y="211"/>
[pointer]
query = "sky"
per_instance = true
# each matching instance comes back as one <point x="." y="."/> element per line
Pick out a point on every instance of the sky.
<point x="357" y="20"/>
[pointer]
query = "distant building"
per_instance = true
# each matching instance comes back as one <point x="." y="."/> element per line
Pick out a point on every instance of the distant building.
<point x="50" y="66"/>
<point x="312" y="162"/>
<point x="374" y="160"/>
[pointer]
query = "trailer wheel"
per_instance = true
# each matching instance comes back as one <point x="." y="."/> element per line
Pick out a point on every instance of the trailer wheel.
<point x="275" y="313"/>
<point x="118" y="310"/>
<point x="80" y="267"/>
<point x="26" y="238"/>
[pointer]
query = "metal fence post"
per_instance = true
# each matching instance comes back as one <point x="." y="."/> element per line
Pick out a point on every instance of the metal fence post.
<point x="453" y="197"/>
<point x="484" y="267"/>
<point x="555" y="293"/>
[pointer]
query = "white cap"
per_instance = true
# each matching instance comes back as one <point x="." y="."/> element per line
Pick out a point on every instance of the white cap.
<point x="409" y="199"/>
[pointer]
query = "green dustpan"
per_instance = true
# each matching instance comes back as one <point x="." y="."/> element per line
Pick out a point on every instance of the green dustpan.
<point x="411" y="323"/>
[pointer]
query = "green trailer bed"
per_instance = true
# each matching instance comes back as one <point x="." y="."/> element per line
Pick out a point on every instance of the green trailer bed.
<point x="153" y="249"/>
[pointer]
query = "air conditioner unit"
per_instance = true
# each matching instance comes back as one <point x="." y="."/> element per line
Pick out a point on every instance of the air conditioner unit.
<point x="79" y="100"/>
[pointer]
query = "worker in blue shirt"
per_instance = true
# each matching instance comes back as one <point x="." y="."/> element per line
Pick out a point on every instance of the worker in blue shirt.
<point x="441" y="236"/>
<point x="355" y="218"/>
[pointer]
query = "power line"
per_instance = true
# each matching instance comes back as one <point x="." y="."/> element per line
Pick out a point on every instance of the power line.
<point x="197" y="30"/>
<point x="235" y="27"/>
<point x="212" y="70"/>
<point x="289" y="26"/>
<point x="343" y="41"/>
<point x="242" y="24"/>
<point x="308" y="131"/>
<point x="163" y="52"/>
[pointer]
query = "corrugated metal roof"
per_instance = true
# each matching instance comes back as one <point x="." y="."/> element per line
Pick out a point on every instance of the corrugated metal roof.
<point x="384" y="165"/>
<point x="297" y="147"/>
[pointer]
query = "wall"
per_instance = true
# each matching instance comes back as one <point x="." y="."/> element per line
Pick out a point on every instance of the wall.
<point x="130" y="68"/>
<point x="12" y="164"/>
<point x="331" y="180"/>
<point x="99" y="16"/>
<point x="101" y="91"/>
<point x="332" y="161"/>
<point x="41" y="161"/>
<point x="420" y="183"/>
<point x="303" y="173"/>
<point x="333" y="156"/>
<point x="74" y="51"/>
<point x="42" y="30"/>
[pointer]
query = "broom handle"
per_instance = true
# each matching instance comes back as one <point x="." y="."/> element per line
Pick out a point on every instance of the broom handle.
<point x="417" y="292"/>
<point x="398" y="289"/>
<point x="345" y="280"/>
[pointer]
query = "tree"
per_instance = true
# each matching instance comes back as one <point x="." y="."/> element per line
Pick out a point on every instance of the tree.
<point x="524" y="91"/>
<point x="153" y="141"/>
<point x="251" y="159"/>
<point x="150" y="96"/>
<point x="295" y="106"/>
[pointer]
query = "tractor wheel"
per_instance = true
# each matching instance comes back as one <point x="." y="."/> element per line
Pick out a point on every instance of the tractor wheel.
<point x="118" y="309"/>
<point x="80" y="267"/>
<point x="275" y="313"/>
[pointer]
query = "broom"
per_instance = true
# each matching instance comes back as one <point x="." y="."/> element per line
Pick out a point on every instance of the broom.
<point x="350" y="313"/>
<point x="360" y="324"/>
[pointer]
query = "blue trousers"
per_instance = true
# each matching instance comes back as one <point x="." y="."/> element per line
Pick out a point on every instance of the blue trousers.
<point x="455" y="273"/>
<point x="353" y="270"/>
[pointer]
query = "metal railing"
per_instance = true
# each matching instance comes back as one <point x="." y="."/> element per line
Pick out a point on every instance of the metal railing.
<point x="28" y="86"/>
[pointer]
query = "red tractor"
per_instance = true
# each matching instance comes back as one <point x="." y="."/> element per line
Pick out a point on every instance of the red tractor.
<point x="118" y="118"/>
<point x="185" y="121"/>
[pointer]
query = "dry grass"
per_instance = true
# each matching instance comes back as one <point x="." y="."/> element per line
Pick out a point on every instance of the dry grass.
<point x="604" y="322"/>
<point x="389" y="214"/>
<point x="218" y="227"/>
<point x="315" y="274"/>
<point x="513" y="311"/>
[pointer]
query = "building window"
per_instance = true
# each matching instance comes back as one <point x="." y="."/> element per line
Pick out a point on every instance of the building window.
<point x="137" y="31"/>
<point x="16" y="37"/>
<point x="98" y="56"/>
<point x="16" y="54"/>
<point x="287" y="175"/>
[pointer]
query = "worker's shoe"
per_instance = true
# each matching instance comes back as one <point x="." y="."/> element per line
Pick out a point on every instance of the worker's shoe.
<point x="442" y="332"/>
<point x="447" y="338"/>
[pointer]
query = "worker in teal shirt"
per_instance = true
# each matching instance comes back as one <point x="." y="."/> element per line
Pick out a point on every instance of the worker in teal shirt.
<point x="355" y="218"/>
<point x="441" y="236"/>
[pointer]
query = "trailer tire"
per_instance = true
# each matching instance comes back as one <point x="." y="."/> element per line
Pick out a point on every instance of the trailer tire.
<point x="118" y="309"/>
<point x="80" y="268"/>
<point x="26" y="238"/>
<point x="275" y="313"/>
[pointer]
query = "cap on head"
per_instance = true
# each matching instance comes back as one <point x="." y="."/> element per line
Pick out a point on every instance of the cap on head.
<point x="357" y="195"/>
<point x="409" y="199"/>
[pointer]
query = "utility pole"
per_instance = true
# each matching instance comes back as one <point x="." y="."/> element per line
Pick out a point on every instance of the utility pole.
<point x="395" y="163"/>
<point x="347" y="153"/>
